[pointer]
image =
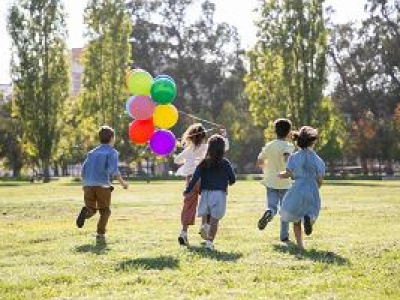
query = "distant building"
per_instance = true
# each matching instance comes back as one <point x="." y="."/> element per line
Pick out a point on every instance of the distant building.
<point x="6" y="91"/>
<point x="76" y="70"/>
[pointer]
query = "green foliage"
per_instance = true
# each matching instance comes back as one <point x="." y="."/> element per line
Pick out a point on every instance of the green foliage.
<point x="10" y="139"/>
<point x="288" y="64"/>
<point x="367" y="62"/>
<point x="203" y="56"/>
<point x="39" y="72"/>
<point x="106" y="59"/>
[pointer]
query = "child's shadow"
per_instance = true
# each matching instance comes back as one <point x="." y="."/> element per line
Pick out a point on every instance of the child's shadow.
<point x="149" y="263"/>
<point x="98" y="248"/>
<point x="215" y="254"/>
<point x="327" y="257"/>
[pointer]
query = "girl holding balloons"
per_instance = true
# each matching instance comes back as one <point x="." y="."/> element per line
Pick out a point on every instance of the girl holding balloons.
<point x="195" y="142"/>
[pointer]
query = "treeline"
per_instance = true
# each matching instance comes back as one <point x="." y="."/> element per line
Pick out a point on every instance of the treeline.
<point x="284" y="75"/>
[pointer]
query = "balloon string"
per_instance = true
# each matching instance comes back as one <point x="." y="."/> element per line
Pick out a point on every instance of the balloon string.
<point x="200" y="119"/>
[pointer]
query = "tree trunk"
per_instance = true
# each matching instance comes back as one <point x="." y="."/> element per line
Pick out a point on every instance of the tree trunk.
<point x="46" y="170"/>
<point x="56" y="173"/>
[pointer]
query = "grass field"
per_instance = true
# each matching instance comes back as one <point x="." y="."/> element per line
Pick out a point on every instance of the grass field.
<point x="354" y="252"/>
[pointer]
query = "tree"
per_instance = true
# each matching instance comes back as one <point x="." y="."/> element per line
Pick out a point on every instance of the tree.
<point x="367" y="62"/>
<point x="10" y="139"/>
<point x="204" y="58"/>
<point x="291" y="56"/>
<point x="106" y="59"/>
<point x="39" y="72"/>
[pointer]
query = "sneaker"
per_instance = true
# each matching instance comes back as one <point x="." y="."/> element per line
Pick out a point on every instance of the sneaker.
<point x="205" y="229"/>
<point x="100" y="239"/>
<point x="307" y="225"/>
<point x="183" y="240"/>
<point x="265" y="219"/>
<point x="209" y="245"/>
<point x="80" y="220"/>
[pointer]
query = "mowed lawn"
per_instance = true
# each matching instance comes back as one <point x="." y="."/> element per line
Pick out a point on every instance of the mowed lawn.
<point x="354" y="252"/>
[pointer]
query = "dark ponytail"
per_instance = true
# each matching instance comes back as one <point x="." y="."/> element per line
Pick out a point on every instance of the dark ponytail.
<point x="305" y="137"/>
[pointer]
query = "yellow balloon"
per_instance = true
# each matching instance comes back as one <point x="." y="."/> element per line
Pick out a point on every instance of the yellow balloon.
<point x="165" y="116"/>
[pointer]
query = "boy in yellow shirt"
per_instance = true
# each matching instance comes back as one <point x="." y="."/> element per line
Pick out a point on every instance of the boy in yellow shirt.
<point x="272" y="159"/>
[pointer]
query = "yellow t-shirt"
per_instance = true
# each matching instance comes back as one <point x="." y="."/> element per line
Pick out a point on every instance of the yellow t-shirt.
<point x="273" y="155"/>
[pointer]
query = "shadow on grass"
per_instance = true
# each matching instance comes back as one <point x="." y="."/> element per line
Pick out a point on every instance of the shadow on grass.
<point x="149" y="263"/>
<point x="327" y="257"/>
<point x="98" y="248"/>
<point x="215" y="254"/>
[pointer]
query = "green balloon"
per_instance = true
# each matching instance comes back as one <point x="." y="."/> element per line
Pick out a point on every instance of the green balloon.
<point x="163" y="91"/>
<point x="140" y="82"/>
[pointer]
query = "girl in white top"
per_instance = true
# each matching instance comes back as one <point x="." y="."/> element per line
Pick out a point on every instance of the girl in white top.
<point x="195" y="142"/>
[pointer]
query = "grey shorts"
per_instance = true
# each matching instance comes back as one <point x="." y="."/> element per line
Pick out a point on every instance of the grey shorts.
<point x="212" y="203"/>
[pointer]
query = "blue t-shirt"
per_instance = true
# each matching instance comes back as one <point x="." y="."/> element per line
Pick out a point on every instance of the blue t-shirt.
<point x="101" y="163"/>
<point x="213" y="179"/>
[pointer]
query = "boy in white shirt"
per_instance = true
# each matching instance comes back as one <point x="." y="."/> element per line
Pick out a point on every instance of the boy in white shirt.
<point x="272" y="159"/>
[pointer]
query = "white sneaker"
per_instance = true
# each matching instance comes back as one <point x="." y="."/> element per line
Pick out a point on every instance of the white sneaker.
<point x="100" y="239"/>
<point x="209" y="245"/>
<point x="204" y="231"/>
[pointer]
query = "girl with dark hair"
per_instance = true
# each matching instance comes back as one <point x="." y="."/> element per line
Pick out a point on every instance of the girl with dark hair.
<point x="302" y="202"/>
<point x="215" y="173"/>
<point x="195" y="145"/>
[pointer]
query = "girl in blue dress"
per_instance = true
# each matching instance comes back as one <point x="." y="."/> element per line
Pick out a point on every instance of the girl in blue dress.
<point x="302" y="202"/>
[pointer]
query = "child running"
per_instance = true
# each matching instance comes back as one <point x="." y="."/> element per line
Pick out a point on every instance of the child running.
<point x="195" y="143"/>
<point x="215" y="173"/>
<point x="101" y="164"/>
<point x="302" y="202"/>
<point x="272" y="159"/>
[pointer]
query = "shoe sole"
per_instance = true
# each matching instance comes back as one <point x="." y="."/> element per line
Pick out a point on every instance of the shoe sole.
<point x="265" y="219"/>
<point x="182" y="241"/>
<point x="80" y="221"/>
<point x="307" y="225"/>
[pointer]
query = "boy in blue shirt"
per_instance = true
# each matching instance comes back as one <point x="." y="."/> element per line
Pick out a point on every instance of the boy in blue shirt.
<point x="99" y="167"/>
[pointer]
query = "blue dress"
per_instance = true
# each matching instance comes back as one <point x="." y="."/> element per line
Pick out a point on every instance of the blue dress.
<point x="303" y="196"/>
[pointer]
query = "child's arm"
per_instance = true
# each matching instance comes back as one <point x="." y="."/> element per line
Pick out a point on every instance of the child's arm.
<point x="193" y="181"/>
<point x="260" y="163"/>
<point x="181" y="157"/>
<point x="122" y="181"/>
<point x="113" y="170"/>
<point x="320" y="181"/>
<point x="285" y="174"/>
<point x="231" y="174"/>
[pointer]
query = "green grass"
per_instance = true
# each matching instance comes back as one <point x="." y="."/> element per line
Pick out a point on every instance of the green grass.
<point x="352" y="254"/>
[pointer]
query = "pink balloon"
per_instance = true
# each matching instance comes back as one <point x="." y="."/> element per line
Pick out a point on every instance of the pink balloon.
<point x="142" y="107"/>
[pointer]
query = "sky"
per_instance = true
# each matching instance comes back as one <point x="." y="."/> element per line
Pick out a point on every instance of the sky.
<point x="238" y="13"/>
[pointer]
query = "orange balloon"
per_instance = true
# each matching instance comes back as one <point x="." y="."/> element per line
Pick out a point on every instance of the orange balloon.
<point x="140" y="131"/>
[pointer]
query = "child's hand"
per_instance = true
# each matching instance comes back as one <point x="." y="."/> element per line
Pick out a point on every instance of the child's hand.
<point x="125" y="186"/>
<point x="222" y="131"/>
<point x="282" y="175"/>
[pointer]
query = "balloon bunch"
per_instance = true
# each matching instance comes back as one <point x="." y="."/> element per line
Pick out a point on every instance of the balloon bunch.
<point x="150" y="107"/>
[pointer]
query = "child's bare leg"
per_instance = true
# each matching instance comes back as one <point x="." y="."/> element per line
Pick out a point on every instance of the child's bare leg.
<point x="298" y="234"/>
<point x="213" y="228"/>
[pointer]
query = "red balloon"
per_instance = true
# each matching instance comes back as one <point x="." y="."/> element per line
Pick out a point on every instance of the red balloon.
<point x="140" y="131"/>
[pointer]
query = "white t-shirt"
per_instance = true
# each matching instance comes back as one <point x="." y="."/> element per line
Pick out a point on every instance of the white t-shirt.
<point x="189" y="158"/>
<point x="273" y="155"/>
